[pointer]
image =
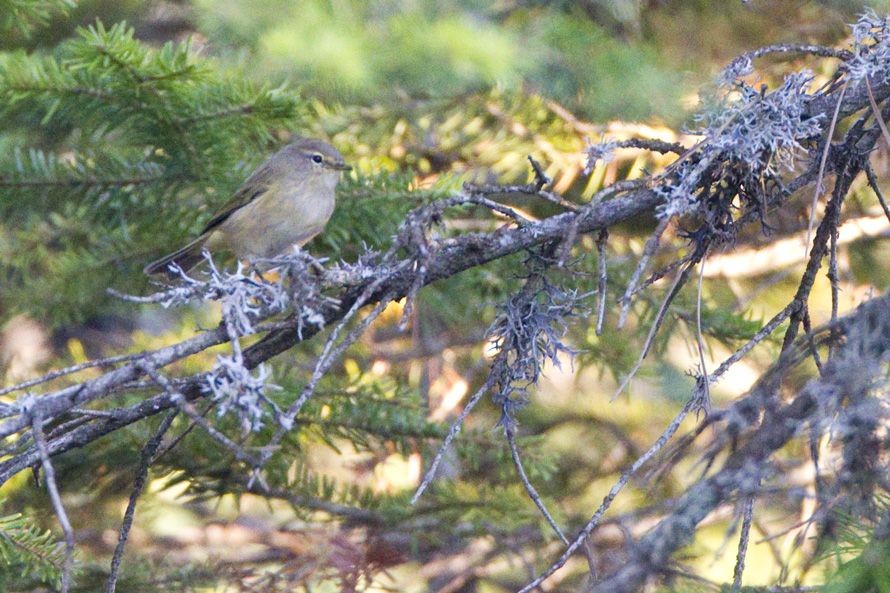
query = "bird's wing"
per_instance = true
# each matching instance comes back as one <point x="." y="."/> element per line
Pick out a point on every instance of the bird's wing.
<point x="255" y="186"/>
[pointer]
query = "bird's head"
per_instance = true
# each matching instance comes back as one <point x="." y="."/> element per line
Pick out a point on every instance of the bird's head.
<point x="320" y="157"/>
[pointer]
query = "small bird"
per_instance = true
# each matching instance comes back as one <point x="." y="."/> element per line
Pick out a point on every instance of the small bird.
<point x="286" y="201"/>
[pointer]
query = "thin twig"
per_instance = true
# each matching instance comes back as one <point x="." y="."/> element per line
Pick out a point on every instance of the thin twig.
<point x="607" y="501"/>
<point x="147" y="458"/>
<point x="761" y="335"/>
<point x="421" y="262"/>
<point x="877" y="112"/>
<point x="747" y="517"/>
<point x="834" y="279"/>
<point x="700" y="342"/>
<point x="452" y="433"/>
<point x="189" y="410"/>
<point x="802" y="48"/>
<point x="808" y="330"/>
<point x="819" y="187"/>
<point x="73" y="369"/>
<point x="529" y="488"/>
<point x="495" y="207"/>
<point x="178" y="439"/>
<point x="541" y="178"/>
<point x="49" y="476"/>
<point x="662" y="272"/>
<point x="650" y="144"/>
<point x="565" y="247"/>
<point x="528" y="190"/>
<point x="648" y="251"/>
<point x="329" y="354"/>
<point x="845" y="175"/>
<point x="873" y="182"/>
<point x="653" y="330"/>
<point x="601" y="286"/>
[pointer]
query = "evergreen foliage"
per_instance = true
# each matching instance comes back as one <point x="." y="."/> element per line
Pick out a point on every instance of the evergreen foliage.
<point x="862" y="552"/>
<point x="134" y="135"/>
<point x="28" y="553"/>
<point x="22" y="16"/>
<point x="354" y="50"/>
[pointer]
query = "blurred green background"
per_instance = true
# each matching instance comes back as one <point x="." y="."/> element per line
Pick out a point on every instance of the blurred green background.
<point x="603" y="59"/>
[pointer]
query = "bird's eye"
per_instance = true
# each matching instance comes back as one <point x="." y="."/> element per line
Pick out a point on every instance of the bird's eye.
<point x="317" y="158"/>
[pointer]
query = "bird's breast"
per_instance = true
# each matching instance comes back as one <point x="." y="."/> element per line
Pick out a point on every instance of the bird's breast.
<point x="288" y="214"/>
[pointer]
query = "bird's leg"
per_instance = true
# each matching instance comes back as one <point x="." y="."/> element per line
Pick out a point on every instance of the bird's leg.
<point x="269" y="276"/>
<point x="317" y="267"/>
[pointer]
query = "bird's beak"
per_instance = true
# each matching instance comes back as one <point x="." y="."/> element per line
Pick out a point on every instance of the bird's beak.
<point x="340" y="166"/>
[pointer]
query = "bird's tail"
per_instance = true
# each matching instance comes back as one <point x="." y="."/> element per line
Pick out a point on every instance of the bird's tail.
<point x="186" y="258"/>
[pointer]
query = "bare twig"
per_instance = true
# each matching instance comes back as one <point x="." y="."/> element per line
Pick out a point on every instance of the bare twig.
<point x="452" y="433"/>
<point x="808" y="330"/>
<point x="777" y="427"/>
<point x="819" y="187"/>
<point x="189" y="410"/>
<point x="747" y="517"/>
<point x="873" y="182"/>
<point x="797" y="48"/>
<point x="529" y="488"/>
<point x="877" y="112"/>
<point x="828" y="225"/>
<point x="327" y="358"/>
<point x="147" y="458"/>
<point x="607" y="501"/>
<point x="653" y="330"/>
<point x="541" y="178"/>
<point x="662" y="272"/>
<point x="90" y="364"/>
<point x="834" y="280"/>
<point x="603" y="275"/>
<point x="530" y="190"/>
<point x="700" y="342"/>
<point x="761" y="335"/>
<point x="649" y="144"/>
<point x="49" y="476"/>
<point x="648" y="251"/>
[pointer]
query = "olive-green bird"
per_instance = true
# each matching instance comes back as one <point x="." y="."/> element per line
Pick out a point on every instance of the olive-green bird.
<point x="286" y="201"/>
